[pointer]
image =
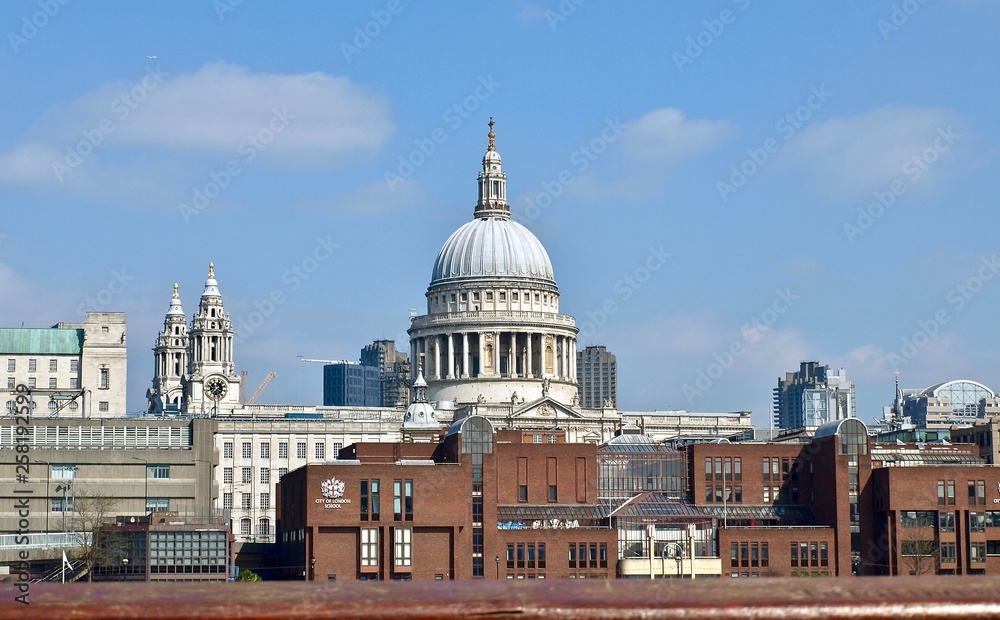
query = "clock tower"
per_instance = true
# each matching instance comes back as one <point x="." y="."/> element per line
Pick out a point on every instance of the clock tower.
<point x="170" y="361"/>
<point x="211" y="385"/>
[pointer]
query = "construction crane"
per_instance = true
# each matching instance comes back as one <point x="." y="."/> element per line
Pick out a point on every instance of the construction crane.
<point x="307" y="359"/>
<point x="260" y="389"/>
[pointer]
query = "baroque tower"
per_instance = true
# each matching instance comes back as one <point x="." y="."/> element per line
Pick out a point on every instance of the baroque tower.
<point x="170" y="361"/>
<point x="211" y="384"/>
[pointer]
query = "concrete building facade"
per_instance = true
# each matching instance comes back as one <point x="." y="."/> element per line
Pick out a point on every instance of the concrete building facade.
<point x="811" y="397"/>
<point x="597" y="372"/>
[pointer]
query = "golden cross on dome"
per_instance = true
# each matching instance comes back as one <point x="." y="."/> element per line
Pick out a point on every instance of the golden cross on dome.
<point x="491" y="135"/>
<point x="211" y="270"/>
<point x="176" y="296"/>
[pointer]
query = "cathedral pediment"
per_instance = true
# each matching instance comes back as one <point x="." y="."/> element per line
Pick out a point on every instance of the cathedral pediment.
<point x="546" y="408"/>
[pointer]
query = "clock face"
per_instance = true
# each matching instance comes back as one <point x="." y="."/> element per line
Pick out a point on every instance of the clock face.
<point x="216" y="388"/>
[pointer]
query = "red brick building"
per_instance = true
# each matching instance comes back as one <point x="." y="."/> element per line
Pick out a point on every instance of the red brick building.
<point x="480" y="504"/>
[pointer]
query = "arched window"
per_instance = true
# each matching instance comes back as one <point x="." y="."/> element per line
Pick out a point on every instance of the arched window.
<point x="263" y="526"/>
<point x="244" y="527"/>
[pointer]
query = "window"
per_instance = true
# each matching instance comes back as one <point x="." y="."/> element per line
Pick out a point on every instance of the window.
<point x="734" y="555"/>
<point x="977" y="552"/>
<point x="244" y="527"/>
<point x="283" y="450"/>
<point x="104" y="329"/>
<point x="537" y="438"/>
<point x="335" y="451"/>
<point x="281" y="473"/>
<point x="265" y="450"/>
<point x="824" y="556"/>
<point x="105" y="380"/>
<point x="102" y="405"/>
<point x="977" y="522"/>
<point x="553" y="493"/>
<point x="300" y="450"/>
<point x="981" y="492"/>
<point x="158" y="471"/>
<point x="522" y="492"/>
<point x="918" y="518"/>
<point x="247" y="450"/>
<point x="227" y="501"/>
<point x="52" y="383"/>
<point x="403" y="552"/>
<point x="11" y="365"/>
<point x="520" y="556"/>
<point x="708" y="469"/>
<point x="63" y="472"/>
<point x="265" y="501"/>
<point x="552" y="438"/>
<point x="265" y="475"/>
<point x="53" y="365"/>
<point x="31" y="382"/>
<point x="369" y="546"/>
<point x="397" y="499"/>
<point x="947" y="554"/>
<point x="157" y="504"/>
<point x="246" y="475"/>
<point x="264" y="527"/>
<point x="74" y="382"/>
<point x="227" y="475"/>
<point x="793" y="550"/>
<point x="321" y="451"/>
<point x="950" y="484"/>
<point x="227" y="450"/>
<point x="245" y="500"/>
<point x="31" y="365"/>
<point x="947" y="521"/>
<point x="764" y="557"/>
<point x="510" y="556"/>
<point x="363" y="498"/>
<point x="738" y="469"/>
<point x="74" y="366"/>
<point x="62" y="504"/>
<point x="10" y="383"/>
<point x="940" y="493"/>
<point x="541" y="556"/>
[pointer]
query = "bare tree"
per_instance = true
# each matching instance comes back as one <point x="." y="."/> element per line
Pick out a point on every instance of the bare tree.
<point x="919" y="555"/>
<point x="99" y="543"/>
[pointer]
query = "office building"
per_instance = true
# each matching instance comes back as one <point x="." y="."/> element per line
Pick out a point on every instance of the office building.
<point x="597" y="372"/>
<point x="812" y="397"/>
<point x="71" y="369"/>
<point x="394" y="371"/>
<point x="347" y="384"/>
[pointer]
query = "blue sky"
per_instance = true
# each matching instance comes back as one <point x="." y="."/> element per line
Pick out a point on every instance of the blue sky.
<point x="725" y="188"/>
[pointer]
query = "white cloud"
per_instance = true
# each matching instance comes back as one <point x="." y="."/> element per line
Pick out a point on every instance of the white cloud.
<point x="868" y="152"/>
<point x="311" y="119"/>
<point x="666" y="134"/>
<point x="639" y="160"/>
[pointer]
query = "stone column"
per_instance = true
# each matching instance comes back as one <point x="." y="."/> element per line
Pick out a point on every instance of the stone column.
<point x="512" y="364"/>
<point x="496" y="354"/>
<point x="450" y="374"/>
<point x="528" y="370"/>
<point x="465" y="355"/>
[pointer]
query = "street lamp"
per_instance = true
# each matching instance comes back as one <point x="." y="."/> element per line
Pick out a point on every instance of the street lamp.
<point x="498" y="568"/>
<point x="145" y="491"/>
<point x="64" y="487"/>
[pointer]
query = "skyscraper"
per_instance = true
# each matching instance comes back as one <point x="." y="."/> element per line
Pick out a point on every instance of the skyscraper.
<point x="812" y="397"/>
<point x="348" y="384"/>
<point x="597" y="372"/>
<point x="394" y="371"/>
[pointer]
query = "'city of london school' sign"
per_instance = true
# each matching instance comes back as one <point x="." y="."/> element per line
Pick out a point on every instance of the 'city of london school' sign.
<point x="333" y="494"/>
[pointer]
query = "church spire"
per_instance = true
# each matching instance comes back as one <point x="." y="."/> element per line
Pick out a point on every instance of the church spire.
<point x="492" y="182"/>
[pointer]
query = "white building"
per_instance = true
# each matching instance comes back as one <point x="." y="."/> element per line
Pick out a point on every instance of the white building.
<point x="71" y="369"/>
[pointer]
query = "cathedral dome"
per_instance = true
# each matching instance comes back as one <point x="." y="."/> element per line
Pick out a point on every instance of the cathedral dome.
<point x="492" y="247"/>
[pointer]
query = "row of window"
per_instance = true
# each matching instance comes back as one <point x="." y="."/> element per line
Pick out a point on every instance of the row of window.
<point x="402" y="547"/>
<point x="809" y="554"/>
<point x="246" y="475"/>
<point x="529" y="556"/>
<point x="547" y="298"/>
<point x="976" y="492"/>
<point x="588" y="555"/>
<point x="263" y="527"/>
<point x="749" y="554"/>
<point x="246" y="501"/>
<point x="733" y="468"/>
<point x="718" y="495"/>
<point x="74" y="383"/>
<point x="370" y="492"/>
<point x="319" y="450"/>
<point x="74" y="365"/>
